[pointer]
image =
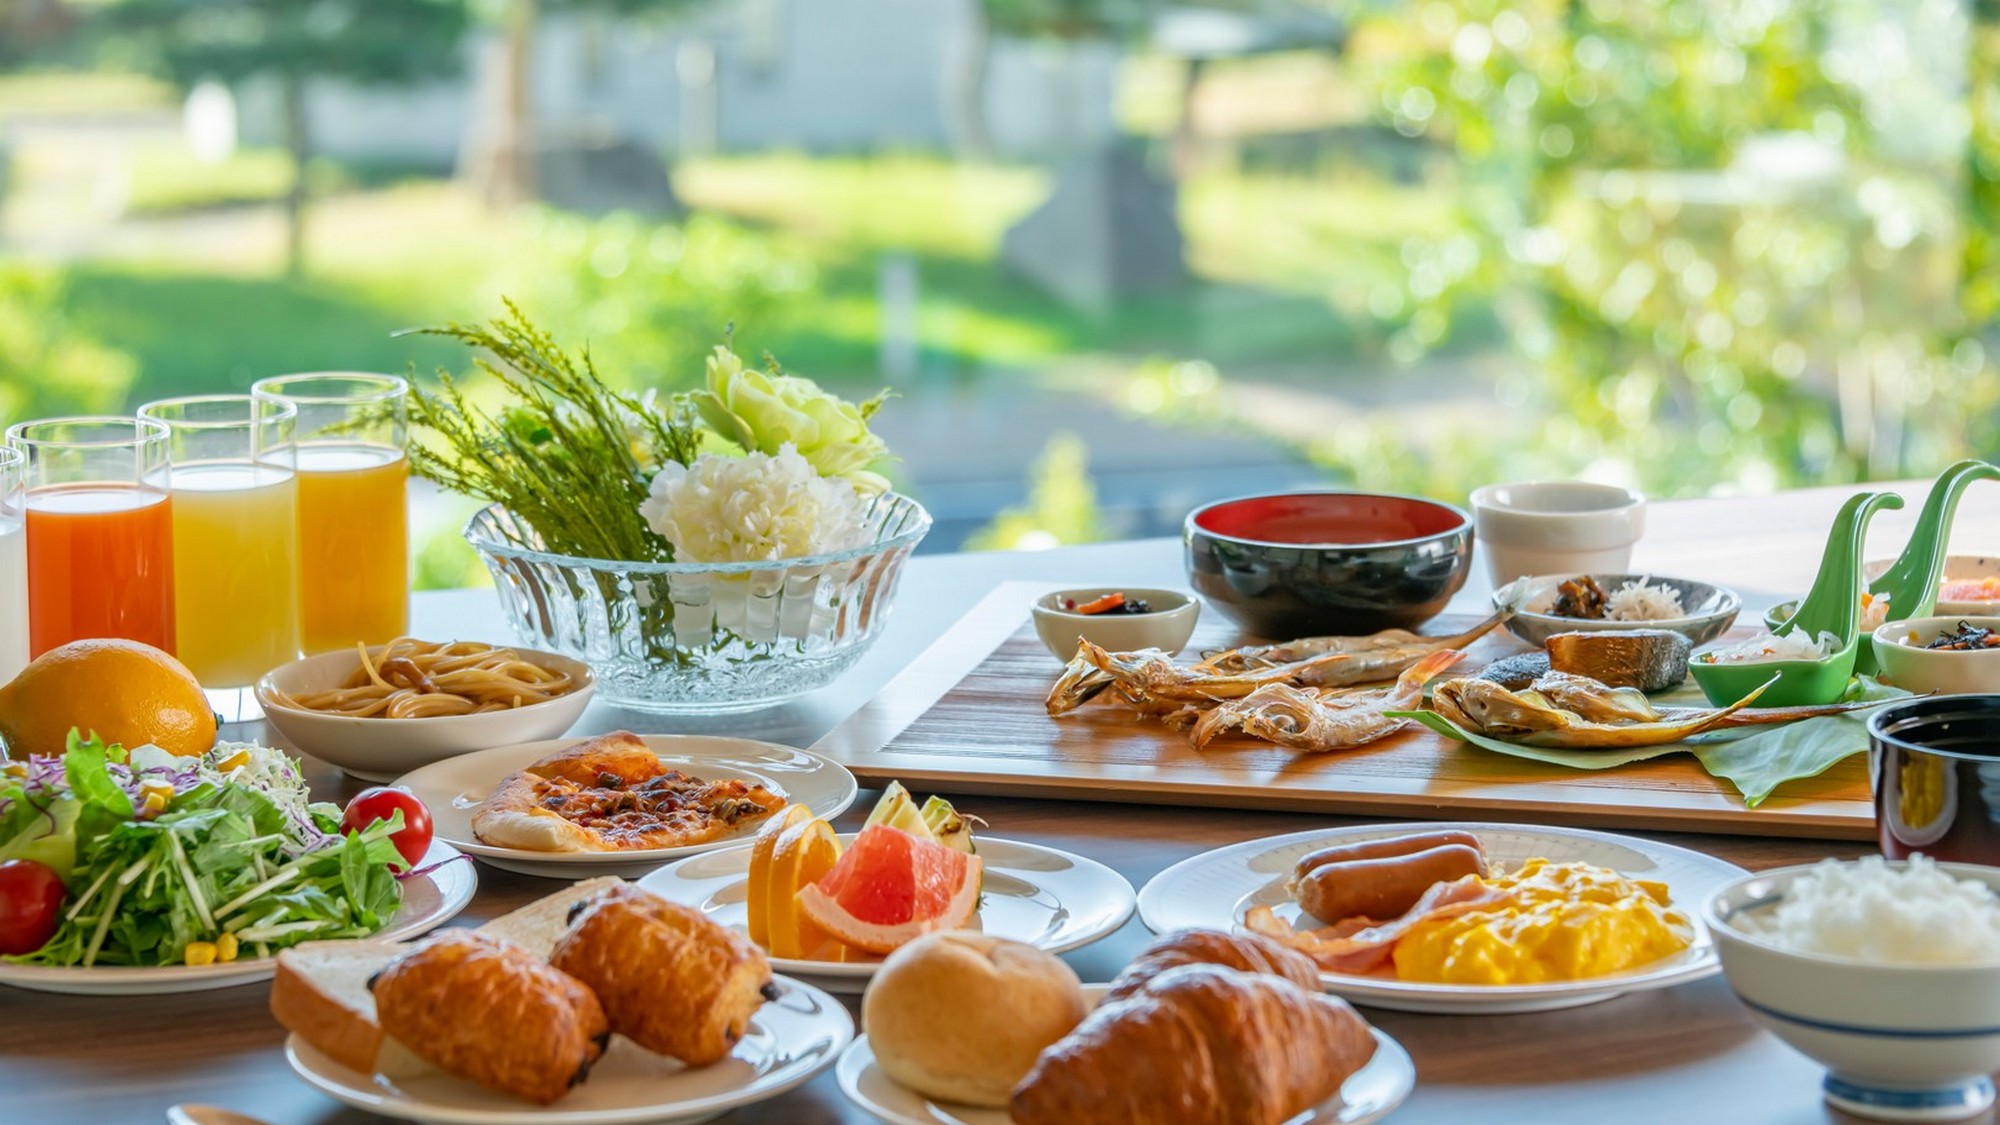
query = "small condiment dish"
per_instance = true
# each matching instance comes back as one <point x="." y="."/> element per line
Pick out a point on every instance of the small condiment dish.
<point x="1167" y="627"/>
<point x="1901" y="1042"/>
<point x="1710" y="610"/>
<point x="378" y="749"/>
<point x="1906" y="663"/>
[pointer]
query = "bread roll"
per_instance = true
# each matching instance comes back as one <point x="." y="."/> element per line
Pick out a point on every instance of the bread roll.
<point x="670" y="979"/>
<point x="489" y="1011"/>
<point x="961" y="1016"/>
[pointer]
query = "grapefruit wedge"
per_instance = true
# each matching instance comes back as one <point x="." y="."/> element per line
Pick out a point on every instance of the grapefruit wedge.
<point x="891" y="887"/>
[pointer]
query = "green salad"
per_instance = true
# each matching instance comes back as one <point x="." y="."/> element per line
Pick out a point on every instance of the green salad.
<point x="165" y="860"/>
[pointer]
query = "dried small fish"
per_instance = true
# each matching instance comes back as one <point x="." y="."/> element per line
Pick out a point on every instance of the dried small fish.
<point x="1288" y="652"/>
<point x="1647" y="659"/>
<point x="1530" y="718"/>
<point x="1560" y="710"/>
<point x="1302" y="719"/>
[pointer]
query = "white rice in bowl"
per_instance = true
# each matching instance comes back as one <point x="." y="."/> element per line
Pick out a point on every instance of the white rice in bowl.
<point x="1763" y="647"/>
<point x="1912" y="914"/>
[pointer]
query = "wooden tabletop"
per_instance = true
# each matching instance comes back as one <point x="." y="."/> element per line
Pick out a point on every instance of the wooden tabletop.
<point x="1686" y="1054"/>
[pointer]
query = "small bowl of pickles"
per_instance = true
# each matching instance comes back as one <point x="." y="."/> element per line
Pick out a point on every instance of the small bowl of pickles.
<point x="1944" y="655"/>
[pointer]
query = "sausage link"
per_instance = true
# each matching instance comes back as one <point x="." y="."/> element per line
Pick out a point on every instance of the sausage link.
<point x="1377" y="849"/>
<point x="1384" y="887"/>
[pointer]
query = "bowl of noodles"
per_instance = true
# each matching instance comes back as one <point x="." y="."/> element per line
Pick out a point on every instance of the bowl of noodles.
<point x="380" y="711"/>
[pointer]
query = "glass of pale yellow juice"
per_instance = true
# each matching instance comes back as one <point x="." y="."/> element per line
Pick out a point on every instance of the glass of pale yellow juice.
<point x="353" y="510"/>
<point x="231" y="462"/>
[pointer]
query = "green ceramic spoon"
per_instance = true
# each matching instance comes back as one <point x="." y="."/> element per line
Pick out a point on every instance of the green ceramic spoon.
<point x="1832" y="606"/>
<point x="1911" y="582"/>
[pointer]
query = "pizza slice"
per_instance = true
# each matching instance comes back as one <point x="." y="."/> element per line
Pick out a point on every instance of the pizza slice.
<point x="611" y="793"/>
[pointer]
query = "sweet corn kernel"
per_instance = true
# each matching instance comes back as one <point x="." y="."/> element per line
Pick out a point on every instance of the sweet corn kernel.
<point x="199" y="953"/>
<point x="225" y="948"/>
<point x="235" y="761"/>
<point x="154" y="804"/>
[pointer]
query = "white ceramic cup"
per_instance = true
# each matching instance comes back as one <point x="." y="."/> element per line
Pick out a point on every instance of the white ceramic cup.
<point x="1556" y="527"/>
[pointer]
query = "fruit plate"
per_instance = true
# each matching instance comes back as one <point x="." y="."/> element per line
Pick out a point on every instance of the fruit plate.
<point x="1369" y="1094"/>
<point x="790" y="1040"/>
<point x="1219" y="887"/>
<point x="430" y="899"/>
<point x="454" y="787"/>
<point x="1045" y="897"/>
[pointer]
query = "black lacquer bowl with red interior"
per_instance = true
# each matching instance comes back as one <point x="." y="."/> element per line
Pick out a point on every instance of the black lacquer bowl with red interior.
<point x="1299" y="564"/>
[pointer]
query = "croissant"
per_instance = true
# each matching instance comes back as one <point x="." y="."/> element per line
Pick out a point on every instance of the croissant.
<point x="490" y="1011"/>
<point x="670" y="979"/>
<point x="1198" y="1045"/>
<point x="1251" y="953"/>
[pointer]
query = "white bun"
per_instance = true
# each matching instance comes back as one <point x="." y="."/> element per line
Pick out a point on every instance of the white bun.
<point x="961" y="1016"/>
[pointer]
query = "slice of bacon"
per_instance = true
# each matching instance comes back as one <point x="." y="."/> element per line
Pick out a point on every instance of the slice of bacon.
<point x="1358" y="945"/>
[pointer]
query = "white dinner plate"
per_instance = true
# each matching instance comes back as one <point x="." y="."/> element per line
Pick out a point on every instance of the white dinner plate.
<point x="1045" y="897"/>
<point x="1369" y="1094"/>
<point x="790" y="1039"/>
<point x="1217" y="888"/>
<point x="454" y="787"/>
<point x="430" y="899"/>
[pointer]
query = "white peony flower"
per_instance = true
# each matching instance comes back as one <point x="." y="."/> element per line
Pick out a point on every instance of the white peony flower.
<point x="754" y="508"/>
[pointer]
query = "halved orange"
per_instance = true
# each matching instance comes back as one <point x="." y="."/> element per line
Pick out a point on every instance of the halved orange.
<point x="891" y="887"/>
<point x="803" y="854"/>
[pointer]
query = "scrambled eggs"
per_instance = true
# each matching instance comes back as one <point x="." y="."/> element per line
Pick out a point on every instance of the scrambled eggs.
<point x="1565" y="921"/>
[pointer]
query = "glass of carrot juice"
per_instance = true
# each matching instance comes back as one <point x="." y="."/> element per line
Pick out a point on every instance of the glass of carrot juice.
<point x="100" y="548"/>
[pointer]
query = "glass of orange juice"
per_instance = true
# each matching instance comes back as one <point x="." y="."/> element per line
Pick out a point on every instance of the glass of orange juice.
<point x="100" y="543"/>
<point x="236" y="534"/>
<point x="353" y="485"/>
<point x="13" y="567"/>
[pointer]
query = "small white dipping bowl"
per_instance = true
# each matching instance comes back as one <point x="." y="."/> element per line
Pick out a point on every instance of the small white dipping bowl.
<point x="1900" y="1042"/>
<point x="1167" y="627"/>
<point x="1914" y="668"/>
<point x="378" y="749"/>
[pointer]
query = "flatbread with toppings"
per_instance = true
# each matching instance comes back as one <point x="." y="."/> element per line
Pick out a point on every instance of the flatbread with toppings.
<point x="611" y="793"/>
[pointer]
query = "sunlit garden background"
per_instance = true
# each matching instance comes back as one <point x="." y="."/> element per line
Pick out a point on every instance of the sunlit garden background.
<point x="1114" y="258"/>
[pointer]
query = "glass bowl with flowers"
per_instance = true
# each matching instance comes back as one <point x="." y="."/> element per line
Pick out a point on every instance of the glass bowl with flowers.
<point x="718" y="550"/>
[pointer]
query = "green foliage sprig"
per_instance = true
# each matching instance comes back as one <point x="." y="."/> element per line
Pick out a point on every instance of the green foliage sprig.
<point x="569" y="456"/>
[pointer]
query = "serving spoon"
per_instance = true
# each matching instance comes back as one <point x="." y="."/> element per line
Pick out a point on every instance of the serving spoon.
<point x="209" y="1115"/>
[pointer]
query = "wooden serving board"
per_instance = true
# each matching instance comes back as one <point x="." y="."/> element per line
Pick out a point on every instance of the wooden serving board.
<point x="968" y="717"/>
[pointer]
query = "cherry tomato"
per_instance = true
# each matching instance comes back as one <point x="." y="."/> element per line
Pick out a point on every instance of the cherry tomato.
<point x="31" y="898"/>
<point x="379" y="803"/>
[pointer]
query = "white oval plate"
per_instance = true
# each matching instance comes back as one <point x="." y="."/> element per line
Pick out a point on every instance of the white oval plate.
<point x="790" y="1040"/>
<point x="1219" y="887"/>
<point x="1045" y="897"/>
<point x="429" y="901"/>
<point x="1369" y="1094"/>
<point x="454" y="787"/>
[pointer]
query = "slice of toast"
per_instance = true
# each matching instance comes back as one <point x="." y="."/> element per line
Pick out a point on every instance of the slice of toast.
<point x="540" y="924"/>
<point x="320" y="993"/>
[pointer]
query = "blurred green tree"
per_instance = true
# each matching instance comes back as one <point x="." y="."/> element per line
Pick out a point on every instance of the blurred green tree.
<point x="373" y="42"/>
<point x="1061" y="508"/>
<point x="1728" y="235"/>
<point x="47" y="366"/>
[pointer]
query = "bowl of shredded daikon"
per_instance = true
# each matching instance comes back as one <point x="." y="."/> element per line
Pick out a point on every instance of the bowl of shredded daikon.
<point x="1887" y="973"/>
<point x="1546" y="604"/>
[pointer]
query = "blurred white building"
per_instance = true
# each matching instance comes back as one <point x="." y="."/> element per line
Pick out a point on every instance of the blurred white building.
<point x="813" y="75"/>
